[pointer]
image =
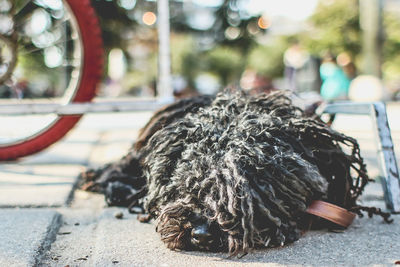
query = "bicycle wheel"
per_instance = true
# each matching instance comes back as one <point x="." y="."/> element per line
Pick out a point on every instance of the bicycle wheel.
<point x="59" y="46"/>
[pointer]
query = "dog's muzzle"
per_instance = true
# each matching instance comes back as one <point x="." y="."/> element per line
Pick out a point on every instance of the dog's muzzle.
<point x="201" y="237"/>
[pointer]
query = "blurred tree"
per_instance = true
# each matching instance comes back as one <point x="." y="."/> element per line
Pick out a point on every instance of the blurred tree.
<point x="267" y="60"/>
<point x="233" y="24"/>
<point x="228" y="44"/>
<point x="334" y="27"/>
<point x="119" y="20"/>
<point x="228" y="25"/>
<point x="226" y="62"/>
<point x="186" y="59"/>
<point x="391" y="48"/>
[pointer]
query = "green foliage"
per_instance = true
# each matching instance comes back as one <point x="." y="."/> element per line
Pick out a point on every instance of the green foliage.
<point x="189" y="61"/>
<point x="191" y="66"/>
<point x="115" y="22"/>
<point x="223" y="58"/>
<point x="335" y="27"/>
<point x="139" y="77"/>
<point x="268" y="60"/>
<point x="227" y="63"/>
<point x="228" y="15"/>
<point x="185" y="57"/>
<point x="391" y="56"/>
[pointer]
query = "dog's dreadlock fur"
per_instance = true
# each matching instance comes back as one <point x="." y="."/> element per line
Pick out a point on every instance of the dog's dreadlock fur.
<point x="247" y="165"/>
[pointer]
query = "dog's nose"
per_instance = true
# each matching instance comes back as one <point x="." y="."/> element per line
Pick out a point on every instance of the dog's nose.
<point x="201" y="235"/>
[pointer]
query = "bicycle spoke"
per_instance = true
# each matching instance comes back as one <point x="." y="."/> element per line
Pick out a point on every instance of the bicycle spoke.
<point x="20" y="50"/>
<point x="51" y="71"/>
<point x="71" y="63"/>
<point x="24" y="5"/>
<point x="23" y="21"/>
<point x="59" y="23"/>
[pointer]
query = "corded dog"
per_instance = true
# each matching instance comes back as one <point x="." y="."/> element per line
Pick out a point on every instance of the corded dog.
<point x="233" y="172"/>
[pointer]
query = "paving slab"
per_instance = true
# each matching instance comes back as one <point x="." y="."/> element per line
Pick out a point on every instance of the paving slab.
<point x="74" y="149"/>
<point x="90" y="235"/>
<point x="116" y="121"/>
<point x="112" y="146"/>
<point x="26" y="234"/>
<point x="96" y="238"/>
<point x="28" y="196"/>
<point x="39" y="186"/>
<point x="46" y="179"/>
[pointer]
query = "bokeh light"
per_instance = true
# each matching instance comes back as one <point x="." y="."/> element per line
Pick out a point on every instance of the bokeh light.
<point x="232" y="33"/>
<point x="263" y="22"/>
<point x="149" y="18"/>
<point x="40" y="21"/>
<point x="343" y="59"/>
<point x="127" y="4"/>
<point x="53" y="57"/>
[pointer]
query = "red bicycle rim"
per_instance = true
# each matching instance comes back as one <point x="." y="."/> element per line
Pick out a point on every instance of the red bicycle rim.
<point x="91" y="71"/>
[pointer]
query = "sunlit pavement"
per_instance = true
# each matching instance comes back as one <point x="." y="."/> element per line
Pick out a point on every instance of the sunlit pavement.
<point x="44" y="221"/>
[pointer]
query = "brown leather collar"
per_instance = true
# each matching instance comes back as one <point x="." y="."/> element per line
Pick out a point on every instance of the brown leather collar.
<point x="331" y="212"/>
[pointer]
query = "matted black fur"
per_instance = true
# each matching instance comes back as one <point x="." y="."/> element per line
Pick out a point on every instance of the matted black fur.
<point x="240" y="168"/>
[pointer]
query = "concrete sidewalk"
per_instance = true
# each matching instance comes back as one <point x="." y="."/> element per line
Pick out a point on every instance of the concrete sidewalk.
<point x="44" y="221"/>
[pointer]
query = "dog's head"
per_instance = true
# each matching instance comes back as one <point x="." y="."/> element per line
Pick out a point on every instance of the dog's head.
<point x="236" y="209"/>
<point x="182" y="226"/>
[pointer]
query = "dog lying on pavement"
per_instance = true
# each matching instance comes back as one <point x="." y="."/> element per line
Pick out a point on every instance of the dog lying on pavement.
<point x="233" y="172"/>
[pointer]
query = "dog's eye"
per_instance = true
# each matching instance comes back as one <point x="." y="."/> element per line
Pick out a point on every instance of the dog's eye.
<point x="196" y="219"/>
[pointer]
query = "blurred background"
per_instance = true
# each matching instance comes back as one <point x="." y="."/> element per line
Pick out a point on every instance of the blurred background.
<point x="333" y="49"/>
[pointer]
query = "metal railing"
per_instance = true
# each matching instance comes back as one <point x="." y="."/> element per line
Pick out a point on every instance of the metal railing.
<point x="386" y="156"/>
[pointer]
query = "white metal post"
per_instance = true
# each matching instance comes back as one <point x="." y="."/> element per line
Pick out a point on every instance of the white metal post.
<point x="372" y="34"/>
<point x="164" y="83"/>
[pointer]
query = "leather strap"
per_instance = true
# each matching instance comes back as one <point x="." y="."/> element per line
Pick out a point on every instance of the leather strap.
<point x="331" y="212"/>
